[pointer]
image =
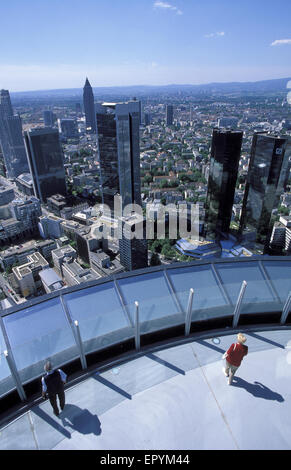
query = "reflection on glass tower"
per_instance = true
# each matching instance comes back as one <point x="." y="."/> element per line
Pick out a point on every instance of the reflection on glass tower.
<point x="46" y="162"/>
<point x="268" y="166"/>
<point x="11" y="138"/>
<point x="225" y="155"/>
<point x="118" y="144"/>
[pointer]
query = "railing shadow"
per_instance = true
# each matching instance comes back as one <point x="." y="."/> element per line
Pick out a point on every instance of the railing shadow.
<point x="165" y="363"/>
<point x="52" y="422"/>
<point x="117" y="389"/>
<point x="209" y="345"/>
<point x="257" y="389"/>
<point x="266" y="340"/>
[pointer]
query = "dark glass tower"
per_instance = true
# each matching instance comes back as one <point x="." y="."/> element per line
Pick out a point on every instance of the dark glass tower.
<point x="46" y="162"/>
<point x="89" y="108"/>
<point x="169" y="114"/>
<point x="118" y="144"/>
<point x="269" y="163"/>
<point x="225" y="155"/>
<point x="11" y="138"/>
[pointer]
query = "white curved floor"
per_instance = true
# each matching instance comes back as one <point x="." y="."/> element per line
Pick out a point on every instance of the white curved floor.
<point x="173" y="399"/>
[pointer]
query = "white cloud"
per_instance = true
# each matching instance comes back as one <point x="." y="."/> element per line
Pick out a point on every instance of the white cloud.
<point x="280" y="42"/>
<point x="215" y="35"/>
<point x="167" y="6"/>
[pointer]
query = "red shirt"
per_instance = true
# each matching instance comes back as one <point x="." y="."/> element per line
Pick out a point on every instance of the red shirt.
<point x="235" y="354"/>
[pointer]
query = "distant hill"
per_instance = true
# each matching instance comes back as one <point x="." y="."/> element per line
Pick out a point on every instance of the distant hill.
<point x="265" y="86"/>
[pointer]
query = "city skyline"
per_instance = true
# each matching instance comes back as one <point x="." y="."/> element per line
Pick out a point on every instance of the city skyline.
<point x="174" y="42"/>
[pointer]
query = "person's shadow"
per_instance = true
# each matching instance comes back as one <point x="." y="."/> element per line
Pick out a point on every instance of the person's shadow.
<point x="257" y="389"/>
<point x="80" y="420"/>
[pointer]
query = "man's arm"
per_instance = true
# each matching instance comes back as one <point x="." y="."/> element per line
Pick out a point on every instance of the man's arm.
<point x="63" y="375"/>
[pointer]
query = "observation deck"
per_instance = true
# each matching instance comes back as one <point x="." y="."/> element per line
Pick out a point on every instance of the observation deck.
<point x="142" y="351"/>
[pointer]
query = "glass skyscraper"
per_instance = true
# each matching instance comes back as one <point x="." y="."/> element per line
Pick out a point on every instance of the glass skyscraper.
<point x="118" y="145"/>
<point x="89" y="108"/>
<point x="225" y="156"/>
<point x="46" y="162"/>
<point x="11" y="138"/>
<point x="269" y="163"/>
<point x="169" y="114"/>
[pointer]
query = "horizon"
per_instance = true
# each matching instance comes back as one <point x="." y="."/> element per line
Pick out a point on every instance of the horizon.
<point x="149" y="41"/>
<point x="151" y="85"/>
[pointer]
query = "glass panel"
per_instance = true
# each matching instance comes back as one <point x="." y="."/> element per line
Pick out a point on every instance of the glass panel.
<point x="280" y="275"/>
<point x="258" y="297"/>
<point x="100" y="315"/>
<point x="157" y="308"/>
<point x="6" y="381"/>
<point x="38" y="333"/>
<point x="208" y="298"/>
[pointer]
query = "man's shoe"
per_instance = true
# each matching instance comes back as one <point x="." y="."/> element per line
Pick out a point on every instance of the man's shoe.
<point x="57" y="414"/>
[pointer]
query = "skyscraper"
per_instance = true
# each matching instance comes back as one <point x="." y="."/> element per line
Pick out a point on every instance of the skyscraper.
<point x="225" y="155"/>
<point x="88" y="101"/>
<point x="46" y="162"/>
<point x="133" y="249"/>
<point x="118" y="144"/>
<point x="48" y="118"/>
<point x="268" y="165"/>
<point x="11" y="138"/>
<point x="169" y="114"/>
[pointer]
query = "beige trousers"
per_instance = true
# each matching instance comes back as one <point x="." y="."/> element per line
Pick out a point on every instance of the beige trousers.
<point x="230" y="370"/>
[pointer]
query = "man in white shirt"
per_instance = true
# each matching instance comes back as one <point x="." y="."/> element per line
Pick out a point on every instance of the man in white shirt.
<point x="53" y="386"/>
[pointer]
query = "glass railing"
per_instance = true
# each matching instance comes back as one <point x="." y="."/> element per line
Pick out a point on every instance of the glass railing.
<point x="79" y="321"/>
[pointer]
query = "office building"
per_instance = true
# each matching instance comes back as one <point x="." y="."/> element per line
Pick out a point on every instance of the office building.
<point x="147" y="119"/>
<point x="46" y="162"/>
<point x="119" y="156"/>
<point x="224" y="162"/>
<point x="48" y="118"/>
<point x="268" y="165"/>
<point x="50" y="227"/>
<point x="25" y="184"/>
<point x="169" y="114"/>
<point x="50" y="280"/>
<point x="11" y="138"/>
<point x="6" y="195"/>
<point x="89" y="108"/>
<point x="68" y="128"/>
<point x="132" y="242"/>
<point x="27" y="275"/>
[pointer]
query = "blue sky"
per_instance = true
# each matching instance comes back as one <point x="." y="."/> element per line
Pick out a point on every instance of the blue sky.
<point x="49" y="44"/>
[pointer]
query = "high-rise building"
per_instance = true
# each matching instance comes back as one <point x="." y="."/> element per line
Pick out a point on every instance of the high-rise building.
<point x="268" y="165"/>
<point x="147" y="119"/>
<point x="89" y="108"/>
<point x="224" y="162"/>
<point x="48" y="118"/>
<point x="11" y="138"/>
<point x="46" y="162"/>
<point x="68" y="128"/>
<point x="169" y="114"/>
<point x="118" y="145"/>
<point x="133" y="248"/>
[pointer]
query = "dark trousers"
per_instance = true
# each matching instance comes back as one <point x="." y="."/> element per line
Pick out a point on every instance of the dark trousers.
<point x="53" y="400"/>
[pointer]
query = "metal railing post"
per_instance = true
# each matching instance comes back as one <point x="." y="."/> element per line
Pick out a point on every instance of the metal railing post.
<point x="188" y="316"/>
<point x="236" y="313"/>
<point x="80" y="345"/>
<point x="286" y="309"/>
<point x="137" y="327"/>
<point x="14" y="373"/>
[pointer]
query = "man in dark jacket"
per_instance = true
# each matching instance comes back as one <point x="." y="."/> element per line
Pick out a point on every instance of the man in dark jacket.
<point x="234" y="355"/>
<point x="53" y="386"/>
